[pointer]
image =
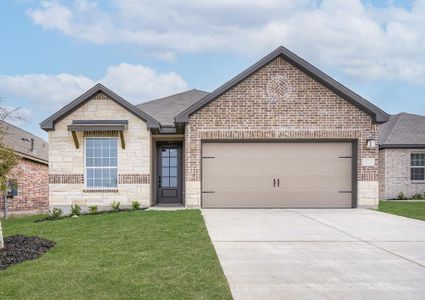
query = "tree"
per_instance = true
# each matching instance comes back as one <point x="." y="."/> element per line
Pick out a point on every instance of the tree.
<point x="8" y="158"/>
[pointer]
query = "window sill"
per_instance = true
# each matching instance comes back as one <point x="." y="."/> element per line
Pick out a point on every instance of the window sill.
<point x="100" y="190"/>
<point x="417" y="181"/>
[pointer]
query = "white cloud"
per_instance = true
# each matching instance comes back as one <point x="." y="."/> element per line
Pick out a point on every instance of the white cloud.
<point x="140" y="83"/>
<point x="50" y="92"/>
<point x="47" y="91"/>
<point x="359" y="39"/>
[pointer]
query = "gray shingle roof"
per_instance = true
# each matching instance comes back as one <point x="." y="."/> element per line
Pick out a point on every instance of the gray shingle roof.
<point x="403" y="130"/>
<point x="165" y="109"/>
<point x="20" y="141"/>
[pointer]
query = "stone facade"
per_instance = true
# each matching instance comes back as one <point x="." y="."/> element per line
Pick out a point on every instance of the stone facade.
<point x="283" y="103"/>
<point x="395" y="173"/>
<point x="33" y="188"/>
<point x="66" y="168"/>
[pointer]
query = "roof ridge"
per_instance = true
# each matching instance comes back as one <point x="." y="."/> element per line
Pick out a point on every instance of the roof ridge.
<point x="176" y="94"/>
<point x="410" y="114"/>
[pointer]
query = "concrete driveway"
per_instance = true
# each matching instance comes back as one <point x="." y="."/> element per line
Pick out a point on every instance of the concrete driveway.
<point x="319" y="254"/>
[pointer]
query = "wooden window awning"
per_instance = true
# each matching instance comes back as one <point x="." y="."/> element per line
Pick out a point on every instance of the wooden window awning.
<point x="98" y="125"/>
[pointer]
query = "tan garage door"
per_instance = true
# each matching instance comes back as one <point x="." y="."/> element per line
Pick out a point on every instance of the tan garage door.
<point x="277" y="175"/>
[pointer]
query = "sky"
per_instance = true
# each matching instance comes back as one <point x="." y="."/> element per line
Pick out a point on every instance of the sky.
<point x="54" y="50"/>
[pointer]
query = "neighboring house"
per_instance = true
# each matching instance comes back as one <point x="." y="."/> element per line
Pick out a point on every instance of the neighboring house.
<point x="31" y="173"/>
<point x="280" y="134"/>
<point x="402" y="156"/>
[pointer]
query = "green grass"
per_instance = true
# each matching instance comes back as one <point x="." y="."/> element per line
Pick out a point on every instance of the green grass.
<point x="127" y="255"/>
<point x="414" y="210"/>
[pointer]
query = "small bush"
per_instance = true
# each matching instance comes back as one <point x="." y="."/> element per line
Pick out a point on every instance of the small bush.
<point x="75" y="210"/>
<point x="418" y="196"/>
<point x="55" y="213"/>
<point x="135" y="205"/>
<point x="115" y="206"/>
<point x="401" y="196"/>
<point x="93" y="209"/>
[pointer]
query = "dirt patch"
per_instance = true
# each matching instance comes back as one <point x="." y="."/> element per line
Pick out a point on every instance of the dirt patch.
<point x="19" y="248"/>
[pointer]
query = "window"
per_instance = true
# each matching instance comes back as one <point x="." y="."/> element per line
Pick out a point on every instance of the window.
<point x="417" y="166"/>
<point x="12" y="187"/>
<point x="169" y="167"/>
<point x="101" y="162"/>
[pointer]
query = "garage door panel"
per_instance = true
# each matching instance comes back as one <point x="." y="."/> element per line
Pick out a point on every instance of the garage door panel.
<point x="239" y="150"/>
<point x="237" y="183"/>
<point x="310" y="166"/>
<point x="313" y="182"/>
<point x="242" y="199"/>
<point x="316" y="199"/>
<point x="287" y="199"/>
<point x="310" y="174"/>
<point x="286" y="183"/>
<point x="233" y="166"/>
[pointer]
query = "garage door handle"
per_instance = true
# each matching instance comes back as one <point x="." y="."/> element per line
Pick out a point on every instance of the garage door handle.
<point x="274" y="182"/>
<point x="278" y="182"/>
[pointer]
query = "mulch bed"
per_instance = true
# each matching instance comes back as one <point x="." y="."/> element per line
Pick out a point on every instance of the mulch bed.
<point x="19" y="248"/>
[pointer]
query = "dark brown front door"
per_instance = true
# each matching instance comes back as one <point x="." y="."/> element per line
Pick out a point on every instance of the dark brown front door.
<point x="169" y="173"/>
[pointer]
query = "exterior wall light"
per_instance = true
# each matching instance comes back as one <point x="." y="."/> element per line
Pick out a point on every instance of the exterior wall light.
<point x="370" y="144"/>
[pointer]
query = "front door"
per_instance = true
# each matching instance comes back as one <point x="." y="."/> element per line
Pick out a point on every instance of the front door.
<point x="169" y="173"/>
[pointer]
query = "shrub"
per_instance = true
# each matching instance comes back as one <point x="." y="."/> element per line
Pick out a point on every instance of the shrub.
<point x="135" y="205"/>
<point x="75" y="210"/>
<point x="55" y="213"/>
<point x="93" y="209"/>
<point x="115" y="206"/>
<point x="418" y="196"/>
<point x="401" y="196"/>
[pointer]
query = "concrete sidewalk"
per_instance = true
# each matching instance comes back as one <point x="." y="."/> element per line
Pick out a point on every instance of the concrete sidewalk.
<point x="319" y="254"/>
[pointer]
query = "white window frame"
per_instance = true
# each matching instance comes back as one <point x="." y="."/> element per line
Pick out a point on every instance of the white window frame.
<point x="415" y="167"/>
<point x="85" y="163"/>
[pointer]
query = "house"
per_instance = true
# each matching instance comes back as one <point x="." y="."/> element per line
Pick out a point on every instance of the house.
<point x="31" y="173"/>
<point x="402" y="156"/>
<point x="279" y="134"/>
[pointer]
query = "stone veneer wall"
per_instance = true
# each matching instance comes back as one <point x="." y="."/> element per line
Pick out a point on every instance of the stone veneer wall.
<point x="33" y="185"/>
<point x="395" y="173"/>
<point x="261" y="107"/>
<point x="66" y="169"/>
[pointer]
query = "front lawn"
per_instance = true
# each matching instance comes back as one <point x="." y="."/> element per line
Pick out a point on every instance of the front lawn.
<point x="126" y="255"/>
<point x="414" y="210"/>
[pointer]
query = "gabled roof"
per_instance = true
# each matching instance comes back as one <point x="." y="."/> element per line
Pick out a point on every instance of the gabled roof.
<point x="20" y="141"/>
<point x="49" y="123"/>
<point x="403" y="131"/>
<point x="378" y="115"/>
<point x="165" y="109"/>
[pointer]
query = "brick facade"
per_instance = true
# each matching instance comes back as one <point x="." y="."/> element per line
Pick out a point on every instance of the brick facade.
<point x="33" y="186"/>
<point x="79" y="178"/>
<point x="395" y="173"/>
<point x="305" y="110"/>
<point x="66" y="178"/>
